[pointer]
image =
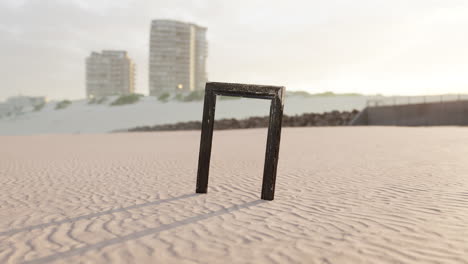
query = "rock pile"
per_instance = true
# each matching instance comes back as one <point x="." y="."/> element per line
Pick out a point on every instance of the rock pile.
<point x="334" y="118"/>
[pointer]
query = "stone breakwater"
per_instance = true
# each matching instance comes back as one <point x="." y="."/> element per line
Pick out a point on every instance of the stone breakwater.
<point x="334" y="118"/>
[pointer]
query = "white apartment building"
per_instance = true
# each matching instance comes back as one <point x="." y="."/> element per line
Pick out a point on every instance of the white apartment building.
<point x="109" y="73"/>
<point x="177" y="59"/>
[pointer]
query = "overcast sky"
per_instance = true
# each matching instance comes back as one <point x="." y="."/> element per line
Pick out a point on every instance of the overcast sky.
<point x="366" y="46"/>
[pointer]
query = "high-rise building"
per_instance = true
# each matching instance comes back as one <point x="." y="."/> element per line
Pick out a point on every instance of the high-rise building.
<point x="109" y="73"/>
<point x="177" y="59"/>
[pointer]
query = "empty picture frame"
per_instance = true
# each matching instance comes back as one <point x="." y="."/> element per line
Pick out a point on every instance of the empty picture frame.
<point x="273" y="93"/>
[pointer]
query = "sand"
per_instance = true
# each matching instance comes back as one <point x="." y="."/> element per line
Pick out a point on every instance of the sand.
<point x="343" y="195"/>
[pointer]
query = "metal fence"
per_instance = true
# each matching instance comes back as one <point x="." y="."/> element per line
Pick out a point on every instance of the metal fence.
<point x="405" y="100"/>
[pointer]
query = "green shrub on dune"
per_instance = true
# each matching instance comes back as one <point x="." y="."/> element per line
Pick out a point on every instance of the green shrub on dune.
<point x="39" y="107"/>
<point x="194" y="96"/>
<point x="126" y="99"/>
<point x="101" y="100"/>
<point x="164" y="97"/>
<point x="62" y="104"/>
<point x="179" y="97"/>
<point x="97" y="100"/>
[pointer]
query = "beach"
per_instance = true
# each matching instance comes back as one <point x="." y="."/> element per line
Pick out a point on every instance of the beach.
<point x="343" y="195"/>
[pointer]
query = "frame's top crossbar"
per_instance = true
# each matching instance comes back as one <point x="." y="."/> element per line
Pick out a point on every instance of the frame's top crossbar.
<point x="246" y="90"/>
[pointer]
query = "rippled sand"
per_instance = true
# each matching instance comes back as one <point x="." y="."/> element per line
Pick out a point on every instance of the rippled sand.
<point x="343" y="195"/>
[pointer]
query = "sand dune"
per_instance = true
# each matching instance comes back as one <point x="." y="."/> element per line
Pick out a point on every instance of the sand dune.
<point x="343" y="195"/>
<point x="83" y="118"/>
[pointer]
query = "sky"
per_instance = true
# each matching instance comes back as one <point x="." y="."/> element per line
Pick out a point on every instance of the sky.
<point x="391" y="47"/>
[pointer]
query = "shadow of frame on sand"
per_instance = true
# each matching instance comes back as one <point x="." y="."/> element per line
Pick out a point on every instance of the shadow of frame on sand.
<point x="146" y="232"/>
<point x="97" y="214"/>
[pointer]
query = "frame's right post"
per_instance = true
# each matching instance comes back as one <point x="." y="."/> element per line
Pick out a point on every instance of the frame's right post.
<point x="272" y="148"/>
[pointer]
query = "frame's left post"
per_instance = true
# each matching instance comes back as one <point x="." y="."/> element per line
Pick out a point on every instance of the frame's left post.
<point x="206" y="140"/>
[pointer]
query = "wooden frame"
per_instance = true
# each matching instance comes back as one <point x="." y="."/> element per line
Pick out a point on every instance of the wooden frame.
<point x="273" y="93"/>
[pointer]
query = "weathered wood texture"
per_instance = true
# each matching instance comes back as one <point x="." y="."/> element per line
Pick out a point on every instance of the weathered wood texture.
<point x="273" y="93"/>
